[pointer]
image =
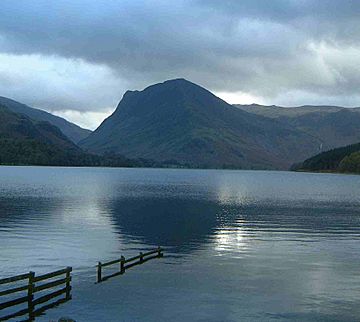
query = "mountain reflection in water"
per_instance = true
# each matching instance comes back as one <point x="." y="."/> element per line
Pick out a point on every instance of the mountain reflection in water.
<point x="239" y="245"/>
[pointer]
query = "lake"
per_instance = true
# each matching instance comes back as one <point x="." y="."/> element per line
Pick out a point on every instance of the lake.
<point x="239" y="245"/>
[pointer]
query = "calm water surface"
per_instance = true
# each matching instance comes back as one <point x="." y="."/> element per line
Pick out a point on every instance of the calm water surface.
<point x="239" y="245"/>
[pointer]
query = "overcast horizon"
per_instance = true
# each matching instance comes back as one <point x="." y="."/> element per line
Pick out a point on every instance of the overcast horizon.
<point x="76" y="59"/>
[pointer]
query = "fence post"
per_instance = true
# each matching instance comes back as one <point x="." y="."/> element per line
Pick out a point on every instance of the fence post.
<point x="31" y="296"/>
<point x="141" y="257"/>
<point x="122" y="265"/>
<point x="99" y="272"/>
<point x="159" y="252"/>
<point x="68" y="287"/>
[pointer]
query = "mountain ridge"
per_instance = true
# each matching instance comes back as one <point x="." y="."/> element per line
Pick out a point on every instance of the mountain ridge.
<point x="71" y="130"/>
<point x="275" y="111"/>
<point x="24" y="141"/>
<point x="333" y="126"/>
<point x="179" y="123"/>
<point x="179" y="120"/>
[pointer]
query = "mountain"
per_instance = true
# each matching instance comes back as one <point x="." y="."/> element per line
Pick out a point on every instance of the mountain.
<point x="335" y="129"/>
<point x="344" y="159"/>
<point x="24" y="141"/>
<point x="72" y="131"/>
<point x="333" y="126"/>
<point x="274" y="111"/>
<point x="181" y="122"/>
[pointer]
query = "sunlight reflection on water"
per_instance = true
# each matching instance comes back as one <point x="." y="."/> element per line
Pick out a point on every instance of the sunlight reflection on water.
<point x="239" y="245"/>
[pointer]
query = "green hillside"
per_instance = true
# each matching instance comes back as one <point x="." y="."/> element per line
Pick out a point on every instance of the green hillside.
<point x="333" y="126"/>
<point x="24" y="141"/>
<point x="181" y="122"/>
<point x="350" y="163"/>
<point x="74" y="132"/>
<point x="344" y="159"/>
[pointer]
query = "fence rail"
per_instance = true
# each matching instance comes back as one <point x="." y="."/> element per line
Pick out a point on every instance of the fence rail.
<point x="122" y="261"/>
<point x="15" y="278"/>
<point x="37" y="291"/>
<point x="32" y="289"/>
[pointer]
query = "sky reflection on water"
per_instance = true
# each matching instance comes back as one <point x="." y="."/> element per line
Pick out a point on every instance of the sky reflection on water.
<point x="240" y="245"/>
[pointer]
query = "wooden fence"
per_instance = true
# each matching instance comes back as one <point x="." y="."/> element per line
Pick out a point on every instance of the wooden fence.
<point x="127" y="263"/>
<point x="34" y="288"/>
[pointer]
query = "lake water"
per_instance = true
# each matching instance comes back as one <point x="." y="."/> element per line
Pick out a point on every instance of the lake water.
<point x="239" y="245"/>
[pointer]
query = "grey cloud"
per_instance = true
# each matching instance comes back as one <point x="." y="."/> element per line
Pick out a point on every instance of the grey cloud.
<point x="287" y="10"/>
<point x="266" y="48"/>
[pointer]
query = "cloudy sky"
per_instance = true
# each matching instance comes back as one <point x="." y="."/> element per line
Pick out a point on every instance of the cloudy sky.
<point x="77" y="58"/>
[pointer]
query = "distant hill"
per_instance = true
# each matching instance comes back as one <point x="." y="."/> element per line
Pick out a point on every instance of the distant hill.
<point x="333" y="126"/>
<point x="24" y="141"/>
<point x="274" y="111"/>
<point x="180" y="122"/>
<point x="334" y="129"/>
<point x="344" y="159"/>
<point x="72" y="131"/>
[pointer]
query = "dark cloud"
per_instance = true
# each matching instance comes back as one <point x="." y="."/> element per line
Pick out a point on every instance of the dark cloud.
<point x="286" y="10"/>
<point x="269" y="49"/>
